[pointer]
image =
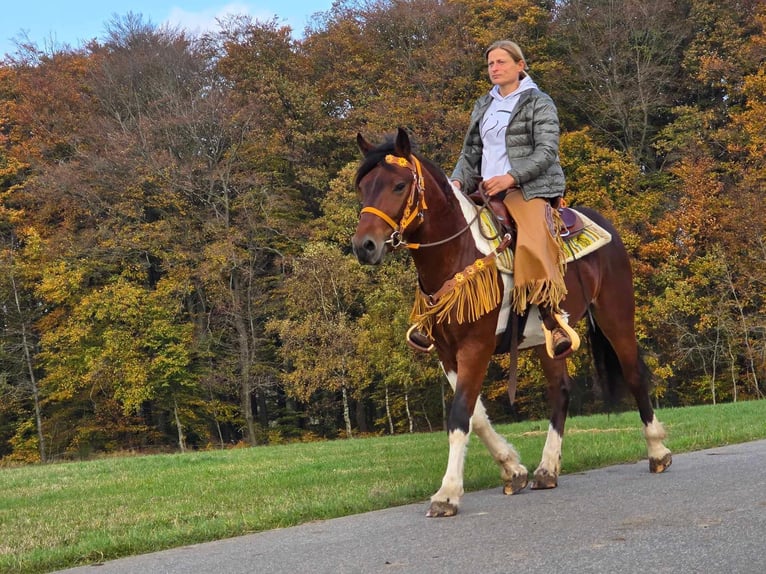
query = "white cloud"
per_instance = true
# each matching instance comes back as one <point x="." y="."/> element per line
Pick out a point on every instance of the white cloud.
<point x="207" y="20"/>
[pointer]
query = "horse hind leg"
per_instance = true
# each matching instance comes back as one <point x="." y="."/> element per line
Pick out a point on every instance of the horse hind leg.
<point x="619" y="360"/>
<point x="547" y="473"/>
<point x="660" y="457"/>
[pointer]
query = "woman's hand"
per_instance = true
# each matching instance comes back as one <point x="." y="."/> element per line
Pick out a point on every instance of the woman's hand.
<point x="498" y="184"/>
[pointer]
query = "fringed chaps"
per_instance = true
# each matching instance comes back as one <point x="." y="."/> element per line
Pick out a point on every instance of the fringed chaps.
<point x="539" y="259"/>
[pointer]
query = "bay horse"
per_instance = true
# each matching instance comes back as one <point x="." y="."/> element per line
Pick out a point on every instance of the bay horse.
<point x="408" y="201"/>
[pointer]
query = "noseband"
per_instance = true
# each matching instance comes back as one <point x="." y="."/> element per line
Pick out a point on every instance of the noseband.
<point x="414" y="210"/>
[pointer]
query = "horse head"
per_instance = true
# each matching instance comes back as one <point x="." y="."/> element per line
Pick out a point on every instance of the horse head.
<point x="391" y="185"/>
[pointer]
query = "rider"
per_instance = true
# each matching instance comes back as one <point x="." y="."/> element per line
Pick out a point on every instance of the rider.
<point x="512" y="147"/>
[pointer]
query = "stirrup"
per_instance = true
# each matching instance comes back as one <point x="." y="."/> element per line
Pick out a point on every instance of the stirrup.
<point x="571" y="333"/>
<point x="418" y="340"/>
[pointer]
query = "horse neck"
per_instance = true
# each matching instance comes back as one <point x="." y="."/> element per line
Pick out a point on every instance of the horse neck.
<point x="443" y="219"/>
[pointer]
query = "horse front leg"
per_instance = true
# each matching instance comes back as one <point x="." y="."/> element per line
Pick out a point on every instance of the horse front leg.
<point x="465" y="371"/>
<point x="512" y="472"/>
<point x="559" y="384"/>
<point x="446" y="500"/>
<point x="460" y="424"/>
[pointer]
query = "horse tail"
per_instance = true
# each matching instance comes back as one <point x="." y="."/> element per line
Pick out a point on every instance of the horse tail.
<point x="609" y="375"/>
<point x="607" y="366"/>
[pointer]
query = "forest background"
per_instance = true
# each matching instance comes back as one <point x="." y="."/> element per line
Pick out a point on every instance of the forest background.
<point x="175" y="214"/>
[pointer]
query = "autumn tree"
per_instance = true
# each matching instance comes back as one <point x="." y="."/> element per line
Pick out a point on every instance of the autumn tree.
<point x="165" y="196"/>
<point x="623" y="63"/>
<point x="319" y="333"/>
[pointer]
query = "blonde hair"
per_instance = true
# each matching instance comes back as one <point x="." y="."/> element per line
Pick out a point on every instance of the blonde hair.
<point x="511" y="47"/>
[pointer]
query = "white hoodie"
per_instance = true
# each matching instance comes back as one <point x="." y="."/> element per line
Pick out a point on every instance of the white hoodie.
<point x="494" y="158"/>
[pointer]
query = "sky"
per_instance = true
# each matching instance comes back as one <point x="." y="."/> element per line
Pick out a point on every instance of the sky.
<point x="54" y="23"/>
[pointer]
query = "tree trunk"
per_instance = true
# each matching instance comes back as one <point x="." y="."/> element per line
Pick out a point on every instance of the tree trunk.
<point x="246" y="404"/>
<point x="733" y="363"/>
<point x="749" y="351"/>
<point x="388" y="414"/>
<point x="181" y="437"/>
<point x="715" y="359"/>
<point x="215" y="419"/>
<point x="346" y="413"/>
<point x="409" y="414"/>
<point x="246" y="384"/>
<point x="260" y="400"/>
<point x="361" y="417"/>
<point x="425" y="415"/>
<point x="32" y="379"/>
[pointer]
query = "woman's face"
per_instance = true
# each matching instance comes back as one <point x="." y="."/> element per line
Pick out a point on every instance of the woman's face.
<point x="503" y="70"/>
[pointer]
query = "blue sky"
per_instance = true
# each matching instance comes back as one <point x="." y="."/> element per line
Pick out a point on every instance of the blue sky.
<point x="73" y="22"/>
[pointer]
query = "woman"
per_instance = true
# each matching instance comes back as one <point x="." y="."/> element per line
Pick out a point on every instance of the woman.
<point x="512" y="148"/>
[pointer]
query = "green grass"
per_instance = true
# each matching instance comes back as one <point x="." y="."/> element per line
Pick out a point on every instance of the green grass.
<point x="62" y="515"/>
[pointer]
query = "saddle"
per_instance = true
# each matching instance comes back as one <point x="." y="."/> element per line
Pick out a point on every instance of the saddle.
<point x="573" y="225"/>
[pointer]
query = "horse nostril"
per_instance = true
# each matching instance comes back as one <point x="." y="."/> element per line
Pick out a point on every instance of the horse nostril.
<point x="369" y="246"/>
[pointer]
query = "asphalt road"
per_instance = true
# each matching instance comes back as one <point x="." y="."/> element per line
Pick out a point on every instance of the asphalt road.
<point x="706" y="514"/>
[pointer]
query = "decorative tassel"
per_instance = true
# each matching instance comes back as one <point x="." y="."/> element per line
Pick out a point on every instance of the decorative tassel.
<point x="476" y="292"/>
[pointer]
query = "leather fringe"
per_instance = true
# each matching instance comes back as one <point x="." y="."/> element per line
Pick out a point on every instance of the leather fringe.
<point x="476" y="293"/>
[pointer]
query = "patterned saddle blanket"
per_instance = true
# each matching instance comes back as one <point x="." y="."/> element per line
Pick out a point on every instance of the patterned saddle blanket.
<point x="581" y="236"/>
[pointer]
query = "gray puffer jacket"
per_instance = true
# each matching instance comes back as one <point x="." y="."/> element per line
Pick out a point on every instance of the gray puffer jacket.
<point x="532" y="141"/>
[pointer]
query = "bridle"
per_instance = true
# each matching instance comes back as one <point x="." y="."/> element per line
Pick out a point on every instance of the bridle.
<point x="414" y="209"/>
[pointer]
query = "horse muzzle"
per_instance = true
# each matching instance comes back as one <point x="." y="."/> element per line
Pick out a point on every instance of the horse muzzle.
<point x="368" y="250"/>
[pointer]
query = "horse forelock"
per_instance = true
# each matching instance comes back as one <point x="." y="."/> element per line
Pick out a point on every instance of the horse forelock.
<point x="372" y="159"/>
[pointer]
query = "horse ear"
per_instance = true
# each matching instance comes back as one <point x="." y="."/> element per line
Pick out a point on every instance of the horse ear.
<point x="402" y="146"/>
<point x="365" y="146"/>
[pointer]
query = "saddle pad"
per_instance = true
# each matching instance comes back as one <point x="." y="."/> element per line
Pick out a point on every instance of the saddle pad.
<point x="585" y="242"/>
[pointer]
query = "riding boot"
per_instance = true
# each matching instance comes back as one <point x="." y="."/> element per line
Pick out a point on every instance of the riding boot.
<point x="560" y="343"/>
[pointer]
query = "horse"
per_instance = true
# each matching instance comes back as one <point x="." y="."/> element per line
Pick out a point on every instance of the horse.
<point x="408" y="202"/>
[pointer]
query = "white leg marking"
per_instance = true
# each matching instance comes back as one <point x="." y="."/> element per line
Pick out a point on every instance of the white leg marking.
<point x="452" y="483"/>
<point x="451" y="378"/>
<point x="654" y="433"/>
<point x="551" y="459"/>
<point x="504" y="454"/>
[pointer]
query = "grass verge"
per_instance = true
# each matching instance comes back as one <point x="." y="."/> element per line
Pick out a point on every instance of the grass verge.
<point x="63" y="515"/>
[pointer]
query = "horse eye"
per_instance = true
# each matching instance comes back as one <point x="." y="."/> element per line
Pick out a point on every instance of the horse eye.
<point x="400" y="187"/>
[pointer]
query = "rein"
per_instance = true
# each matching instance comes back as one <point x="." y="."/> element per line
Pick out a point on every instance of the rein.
<point x="415" y="208"/>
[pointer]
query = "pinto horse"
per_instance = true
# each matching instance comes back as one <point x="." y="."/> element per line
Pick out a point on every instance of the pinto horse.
<point x="409" y="202"/>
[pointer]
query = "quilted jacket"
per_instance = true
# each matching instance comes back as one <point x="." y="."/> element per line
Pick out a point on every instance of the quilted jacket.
<point x="532" y="141"/>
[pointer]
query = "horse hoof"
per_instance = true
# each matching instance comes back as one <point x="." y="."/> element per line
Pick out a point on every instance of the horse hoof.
<point x="660" y="465"/>
<point x="439" y="509"/>
<point x="544" y="480"/>
<point x="516" y="484"/>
